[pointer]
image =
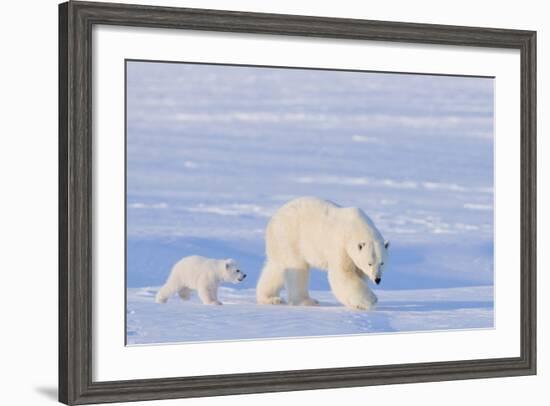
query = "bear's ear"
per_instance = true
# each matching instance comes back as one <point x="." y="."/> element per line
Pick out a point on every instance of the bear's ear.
<point x="386" y="244"/>
<point x="228" y="263"/>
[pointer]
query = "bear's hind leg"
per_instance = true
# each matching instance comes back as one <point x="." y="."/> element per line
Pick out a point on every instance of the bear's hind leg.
<point x="297" y="284"/>
<point x="270" y="284"/>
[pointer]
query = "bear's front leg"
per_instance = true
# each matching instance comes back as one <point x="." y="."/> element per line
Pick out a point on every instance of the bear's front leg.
<point x="208" y="295"/>
<point x="351" y="290"/>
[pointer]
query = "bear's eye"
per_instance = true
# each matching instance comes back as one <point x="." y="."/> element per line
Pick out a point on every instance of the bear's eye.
<point x="370" y="264"/>
<point x="360" y="246"/>
<point x="381" y="263"/>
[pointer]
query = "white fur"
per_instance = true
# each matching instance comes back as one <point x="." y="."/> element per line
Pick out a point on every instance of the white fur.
<point x="201" y="274"/>
<point x="309" y="232"/>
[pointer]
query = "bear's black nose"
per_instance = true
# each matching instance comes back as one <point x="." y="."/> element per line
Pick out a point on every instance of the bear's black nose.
<point x="377" y="281"/>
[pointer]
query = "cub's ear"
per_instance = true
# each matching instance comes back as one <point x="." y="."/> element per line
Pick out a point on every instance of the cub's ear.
<point x="386" y="244"/>
<point x="228" y="263"/>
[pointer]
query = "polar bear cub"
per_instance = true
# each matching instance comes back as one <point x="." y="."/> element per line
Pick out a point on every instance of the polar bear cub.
<point x="312" y="233"/>
<point x="201" y="274"/>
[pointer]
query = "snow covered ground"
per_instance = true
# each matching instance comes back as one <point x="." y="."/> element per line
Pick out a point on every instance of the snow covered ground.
<point x="241" y="318"/>
<point x="213" y="151"/>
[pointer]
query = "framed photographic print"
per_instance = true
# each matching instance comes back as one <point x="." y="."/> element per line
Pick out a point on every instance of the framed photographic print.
<point x="257" y="202"/>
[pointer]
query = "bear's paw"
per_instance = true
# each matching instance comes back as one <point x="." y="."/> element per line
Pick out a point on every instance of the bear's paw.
<point x="275" y="300"/>
<point x="309" y="302"/>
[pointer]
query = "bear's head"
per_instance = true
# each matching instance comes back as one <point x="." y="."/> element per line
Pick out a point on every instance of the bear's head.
<point x="231" y="272"/>
<point x="366" y="247"/>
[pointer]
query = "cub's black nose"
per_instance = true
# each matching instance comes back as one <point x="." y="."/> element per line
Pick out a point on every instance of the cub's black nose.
<point x="377" y="281"/>
<point x="244" y="275"/>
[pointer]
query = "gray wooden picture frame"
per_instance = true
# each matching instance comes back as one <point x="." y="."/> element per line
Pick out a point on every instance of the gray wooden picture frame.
<point x="76" y="20"/>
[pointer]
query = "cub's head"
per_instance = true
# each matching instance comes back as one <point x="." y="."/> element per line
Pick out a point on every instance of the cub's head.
<point x="231" y="271"/>
<point x="366" y="246"/>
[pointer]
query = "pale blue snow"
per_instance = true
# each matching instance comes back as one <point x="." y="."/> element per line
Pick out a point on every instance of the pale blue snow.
<point x="241" y="318"/>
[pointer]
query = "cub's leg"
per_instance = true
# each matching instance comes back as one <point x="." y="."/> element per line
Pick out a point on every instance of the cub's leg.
<point x="208" y="295"/>
<point x="184" y="293"/>
<point x="169" y="288"/>
<point x="297" y="284"/>
<point x="351" y="290"/>
<point x="270" y="284"/>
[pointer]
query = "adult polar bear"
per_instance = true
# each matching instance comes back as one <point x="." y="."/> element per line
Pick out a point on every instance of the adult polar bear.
<point x="310" y="232"/>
